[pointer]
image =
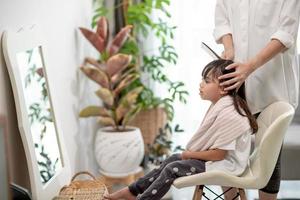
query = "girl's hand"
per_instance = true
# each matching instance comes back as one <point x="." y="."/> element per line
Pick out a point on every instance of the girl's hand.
<point x="236" y="78"/>
<point x="185" y="155"/>
<point x="228" y="54"/>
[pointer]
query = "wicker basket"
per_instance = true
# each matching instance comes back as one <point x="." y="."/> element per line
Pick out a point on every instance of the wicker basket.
<point x="149" y="121"/>
<point x="83" y="189"/>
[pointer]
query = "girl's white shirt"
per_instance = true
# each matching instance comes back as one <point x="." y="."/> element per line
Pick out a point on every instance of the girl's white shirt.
<point x="253" y="23"/>
<point x="237" y="157"/>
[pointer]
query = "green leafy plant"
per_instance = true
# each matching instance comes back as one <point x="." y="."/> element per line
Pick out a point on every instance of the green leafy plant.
<point x="162" y="145"/>
<point x="151" y="62"/>
<point x="114" y="72"/>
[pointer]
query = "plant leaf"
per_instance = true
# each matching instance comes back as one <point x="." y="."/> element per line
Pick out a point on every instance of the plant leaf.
<point x="103" y="29"/>
<point x="40" y="71"/>
<point x="131" y="114"/>
<point x="106" y="95"/>
<point x="92" y="111"/>
<point x="117" y="63"/>
<point x="96" y="75"/>
<point x="107" y="121"/>
<point x="130" y="97"/>
<point x="125" y="82"/>
<point x="127" y="103"/>
<point x="120" y="76"/>
<point x="94" y="62"/>
<point x="119" y="40"/>
<point x="94" y="39"/>
<point x="121" y="110"/>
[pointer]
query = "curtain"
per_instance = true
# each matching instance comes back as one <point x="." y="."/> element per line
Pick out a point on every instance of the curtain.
<point x="194" y="20"/>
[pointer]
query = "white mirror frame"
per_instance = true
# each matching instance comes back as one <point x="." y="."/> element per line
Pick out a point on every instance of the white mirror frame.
<point x="13" y="43"/>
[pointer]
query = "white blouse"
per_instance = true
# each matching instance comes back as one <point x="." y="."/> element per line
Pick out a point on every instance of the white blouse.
<point x="253" y="23"/>
<point x="236" y="159"/>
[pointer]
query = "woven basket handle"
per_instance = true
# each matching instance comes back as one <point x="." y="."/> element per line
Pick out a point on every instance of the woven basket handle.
<point x="84" y="172"/>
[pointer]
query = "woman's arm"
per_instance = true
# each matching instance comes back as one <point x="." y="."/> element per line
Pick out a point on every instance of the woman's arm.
<point x="282" y="39"/>
<point x="222" y="23"/>
<point x="243" y="70"/>
<point x="227" y="42"/>
<point x="209" y="155"/>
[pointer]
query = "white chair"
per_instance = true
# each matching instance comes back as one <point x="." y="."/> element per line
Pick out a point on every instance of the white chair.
<point x="273" y="123"/>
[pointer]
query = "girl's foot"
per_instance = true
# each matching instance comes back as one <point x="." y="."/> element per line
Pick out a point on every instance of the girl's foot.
<point x="121" y="194"/>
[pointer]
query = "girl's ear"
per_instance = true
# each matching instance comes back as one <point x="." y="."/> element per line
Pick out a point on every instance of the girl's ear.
<point x="222" y="91"/>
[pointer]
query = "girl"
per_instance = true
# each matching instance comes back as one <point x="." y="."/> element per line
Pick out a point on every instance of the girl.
<point x="221" y="143"/>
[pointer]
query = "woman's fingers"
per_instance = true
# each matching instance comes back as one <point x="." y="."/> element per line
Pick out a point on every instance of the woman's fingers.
<point x="229" y="82"/>
<point x="234" y="86"/>
<point x="225" y="76"/>
<point x="231" y="66"/>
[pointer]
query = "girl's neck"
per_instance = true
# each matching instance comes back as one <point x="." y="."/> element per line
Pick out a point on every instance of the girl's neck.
<point x="215" y="101"/>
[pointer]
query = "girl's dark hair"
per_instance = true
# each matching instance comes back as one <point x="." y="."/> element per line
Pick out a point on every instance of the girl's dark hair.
<point x="217" y="68"/>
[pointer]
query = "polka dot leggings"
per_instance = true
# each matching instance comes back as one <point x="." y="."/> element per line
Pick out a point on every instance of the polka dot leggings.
<point x="157" y="182"/>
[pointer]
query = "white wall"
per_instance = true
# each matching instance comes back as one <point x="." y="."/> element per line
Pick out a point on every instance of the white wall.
<point x="59" y="20"/>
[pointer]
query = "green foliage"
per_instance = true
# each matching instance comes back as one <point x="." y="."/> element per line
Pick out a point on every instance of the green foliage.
<point x="47" y="167"/>
<point x="162" y="146"/>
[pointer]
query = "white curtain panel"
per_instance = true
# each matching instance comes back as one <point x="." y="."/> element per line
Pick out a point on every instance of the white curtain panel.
<point x="195" y="22"/>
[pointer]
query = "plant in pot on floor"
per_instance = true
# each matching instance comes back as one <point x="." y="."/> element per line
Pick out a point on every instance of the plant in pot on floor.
<point x="152" y="60"/>
<point x="119" y="149"/>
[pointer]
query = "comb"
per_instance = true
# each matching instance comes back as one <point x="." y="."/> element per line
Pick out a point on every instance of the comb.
<point x="211" y="52"/>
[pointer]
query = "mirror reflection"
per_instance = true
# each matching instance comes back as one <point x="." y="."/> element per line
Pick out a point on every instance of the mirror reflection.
<point x="40" y="116"/>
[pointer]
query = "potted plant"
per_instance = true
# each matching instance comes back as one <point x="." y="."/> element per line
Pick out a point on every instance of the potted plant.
<point x="119" y="148"/>
<point x="150" y="62"/>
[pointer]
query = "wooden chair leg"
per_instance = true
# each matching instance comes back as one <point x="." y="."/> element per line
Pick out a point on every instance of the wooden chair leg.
<point x="198" y="192"/>
<point x="242" y="194"/>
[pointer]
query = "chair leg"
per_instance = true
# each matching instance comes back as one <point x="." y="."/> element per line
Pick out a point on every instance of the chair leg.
<point x="198" y="192"/>
<point x="242" y="194"/>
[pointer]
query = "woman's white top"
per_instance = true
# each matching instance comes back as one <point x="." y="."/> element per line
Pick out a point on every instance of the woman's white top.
<point x="236" y="159"/>
<point x="253" y="23"/>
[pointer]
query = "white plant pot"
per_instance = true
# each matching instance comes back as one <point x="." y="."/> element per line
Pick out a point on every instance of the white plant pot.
<point x="119" y="153"/>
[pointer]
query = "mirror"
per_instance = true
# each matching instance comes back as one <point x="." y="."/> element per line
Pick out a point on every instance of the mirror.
<point x="39" y="112"/>
<point x="26" y="58"/>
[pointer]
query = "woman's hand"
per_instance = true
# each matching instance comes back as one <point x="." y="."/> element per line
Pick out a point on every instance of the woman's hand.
<point x="185" y="155"/>
<point x="236" y="78"/>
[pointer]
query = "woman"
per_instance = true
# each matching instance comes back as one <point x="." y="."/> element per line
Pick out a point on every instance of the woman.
<point x="260" y="35"/>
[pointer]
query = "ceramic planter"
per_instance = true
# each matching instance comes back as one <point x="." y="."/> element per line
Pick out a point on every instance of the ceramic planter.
<point x="119" y="153"/>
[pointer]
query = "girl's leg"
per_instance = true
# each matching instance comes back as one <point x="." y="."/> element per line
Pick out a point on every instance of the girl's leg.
<point x="144" y="182"/>
<point x="167" y="176"/>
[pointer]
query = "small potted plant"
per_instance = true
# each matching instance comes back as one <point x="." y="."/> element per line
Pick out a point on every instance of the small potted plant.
<point x="119" y="148"/>
<point x="162" y="146"/>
